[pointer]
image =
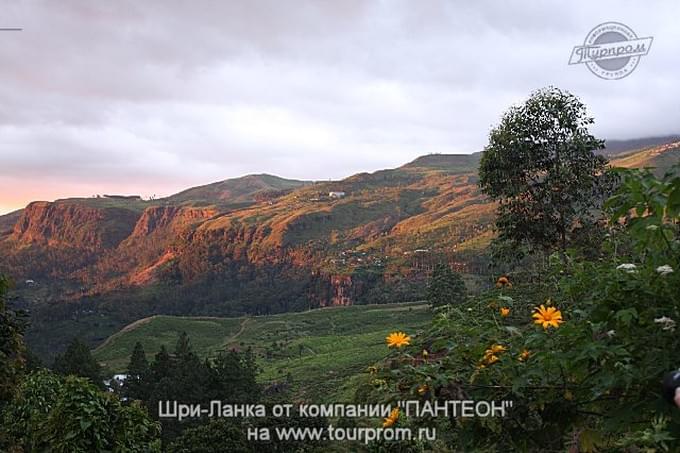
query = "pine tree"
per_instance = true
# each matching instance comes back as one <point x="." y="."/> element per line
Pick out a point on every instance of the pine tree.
<point x="78" y="361"/>
<point x="183" y="346"/>
<point x="162" y="365"/>
<point x="233" y="376"/>
<point x="136" y="384"/>
<point x="446" y="287"/>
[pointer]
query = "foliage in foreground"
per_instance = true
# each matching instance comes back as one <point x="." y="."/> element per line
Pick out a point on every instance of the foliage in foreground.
<point x="214" y="436"/>
<point x="589" y="378"/>
<point x="12" y="350"/>
<point x="71" y="414"/>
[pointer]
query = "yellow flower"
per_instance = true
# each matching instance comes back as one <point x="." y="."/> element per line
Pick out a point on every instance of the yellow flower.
<point x="547" y="317"/>
<point x="524" y="356"/>
<point x="503" y="281"/>
<point x="422" y="389"/>
<point x="496" y="348"/>
<point x="491" y="359"/>
<point x="490" y="355"/>
<point x="505" y="311"/>
<point x="372" y="370"/>
<point x="398" y="339"/>
<point x="425" y="354"/>
<point x="392" y="418"/>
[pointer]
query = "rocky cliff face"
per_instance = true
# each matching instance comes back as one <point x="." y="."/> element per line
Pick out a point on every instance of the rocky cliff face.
<point x="73" y="225"/>
<point x="149" y="247"/>
<point x="296" y="244"/>
<point x="342" y="294"/>
<point x="168" y="219"/>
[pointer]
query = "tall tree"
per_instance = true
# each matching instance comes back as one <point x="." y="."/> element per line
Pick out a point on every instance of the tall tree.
<point x="183" y="346"/>
<point x="136" y="384"/>
<point x="12" y="350"/>
<point x="541" y="168"/>
<point x="78" y="361"/>
<point x="445" y="287"/>
<point x="162" y="365"/>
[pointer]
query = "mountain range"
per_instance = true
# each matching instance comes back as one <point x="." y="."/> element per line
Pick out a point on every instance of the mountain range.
<point x="258" y="244"/>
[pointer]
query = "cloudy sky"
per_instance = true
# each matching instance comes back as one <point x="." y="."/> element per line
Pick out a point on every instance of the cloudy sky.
<point x="150" y="97"/>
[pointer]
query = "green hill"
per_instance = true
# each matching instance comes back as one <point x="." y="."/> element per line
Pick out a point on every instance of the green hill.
<point x="241" y="190"/>
<point x="323" y="350"/>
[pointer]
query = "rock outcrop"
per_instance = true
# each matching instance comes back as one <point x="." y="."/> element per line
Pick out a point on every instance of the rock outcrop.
<point x="73" y="224"/>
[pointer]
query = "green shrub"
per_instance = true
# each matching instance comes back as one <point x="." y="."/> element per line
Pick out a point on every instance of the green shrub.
<point x="71" y="414"/>
<point x="591" y="381"/>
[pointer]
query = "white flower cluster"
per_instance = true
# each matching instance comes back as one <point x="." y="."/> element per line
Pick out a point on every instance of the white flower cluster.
<point x="666" y="323"/>
<point x="664" y="270"/>
<point x="629" y="268"/>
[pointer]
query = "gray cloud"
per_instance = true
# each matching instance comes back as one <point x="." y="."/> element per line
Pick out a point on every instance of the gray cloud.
<point x="150" y="97"/>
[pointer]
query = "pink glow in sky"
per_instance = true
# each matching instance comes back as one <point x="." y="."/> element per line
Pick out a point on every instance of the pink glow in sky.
<point x="152" y="97"/>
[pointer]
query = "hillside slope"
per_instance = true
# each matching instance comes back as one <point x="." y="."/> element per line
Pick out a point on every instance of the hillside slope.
<point x="7" y="221"/>
<point x="318" y="352"/>
<point x="237" y="250"/>
<point x="660" y="157"/>
<point x="432" y="202"/>
<point x="617" y="147"/>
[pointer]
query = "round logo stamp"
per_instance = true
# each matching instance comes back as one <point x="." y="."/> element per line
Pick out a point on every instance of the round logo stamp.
<point x="611" y="51"/>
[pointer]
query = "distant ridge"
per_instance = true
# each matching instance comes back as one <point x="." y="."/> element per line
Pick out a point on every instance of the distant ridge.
<point x="448" y="162"/>
<point x="616" y="147"/>
<point x="236" y="190"/>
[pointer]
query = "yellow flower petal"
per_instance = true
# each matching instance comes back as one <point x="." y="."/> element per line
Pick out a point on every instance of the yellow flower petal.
<point x="392" y="418"/>
<point x="397" y="339"/>
<point x="547" y="317"/>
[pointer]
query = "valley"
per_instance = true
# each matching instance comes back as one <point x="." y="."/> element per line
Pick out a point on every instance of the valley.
<point x="256" y="245"/>
<point x="319" y="355"/>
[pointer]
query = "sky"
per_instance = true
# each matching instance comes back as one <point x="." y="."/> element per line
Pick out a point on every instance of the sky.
<point x="152" y="97"/>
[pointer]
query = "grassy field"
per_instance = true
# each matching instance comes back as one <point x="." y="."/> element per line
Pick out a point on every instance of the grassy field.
<point x="321" y="351"/>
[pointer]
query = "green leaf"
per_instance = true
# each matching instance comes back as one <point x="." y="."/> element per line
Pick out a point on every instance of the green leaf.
<point x="589" y="441"/>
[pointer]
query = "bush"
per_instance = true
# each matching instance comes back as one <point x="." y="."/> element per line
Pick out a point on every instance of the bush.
<point x="55" y="414"/>
<point x="590" y="378"/>
<point x="12" y="349"/>
<point x="445" y="287"/>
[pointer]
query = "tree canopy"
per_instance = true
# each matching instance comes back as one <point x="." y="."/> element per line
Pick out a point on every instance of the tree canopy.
<point x="78" y="361"/>
<point x="445" y="287"/>
<point x="540" y="166"/>
<point x="53" y="413"/>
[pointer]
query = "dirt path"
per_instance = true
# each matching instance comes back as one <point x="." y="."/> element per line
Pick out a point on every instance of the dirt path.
<point x="128" y="328"/>
<point x="239" y="332"/>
